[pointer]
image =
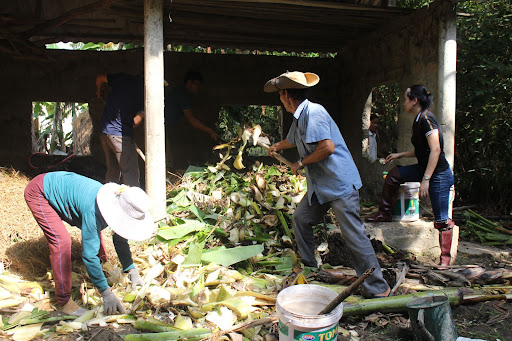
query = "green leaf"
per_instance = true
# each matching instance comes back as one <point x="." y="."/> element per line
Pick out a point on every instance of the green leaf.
<point x="273" y="171"/>
<point x="231" y="256"/>
<point x="179" y="231"/>
<point x="181" y="199"/>
<point x="194" y="171"/>
<point x="197" y="212"/>
<point x="195" y="251"/>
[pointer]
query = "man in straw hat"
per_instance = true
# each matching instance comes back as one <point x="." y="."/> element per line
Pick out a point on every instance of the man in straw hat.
<point x="332" y="177"/>
<point x="91" y="206"/>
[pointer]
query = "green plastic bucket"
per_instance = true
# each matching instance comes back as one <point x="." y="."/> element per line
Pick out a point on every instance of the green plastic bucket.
<point x="297" y="308"/>
<point x="431" y="319"/>
<point x="407" y="207"/>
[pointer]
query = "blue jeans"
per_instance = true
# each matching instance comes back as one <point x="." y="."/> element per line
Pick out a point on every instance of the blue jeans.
<point x="439" y="189"/>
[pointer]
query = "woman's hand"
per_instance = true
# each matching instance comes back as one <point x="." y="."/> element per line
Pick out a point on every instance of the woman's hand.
<point x="392" y="157"/>
<point x="424" y="186"/>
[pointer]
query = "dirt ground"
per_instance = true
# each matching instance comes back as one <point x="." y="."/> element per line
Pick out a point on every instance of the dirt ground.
<point x="488" y="321"/>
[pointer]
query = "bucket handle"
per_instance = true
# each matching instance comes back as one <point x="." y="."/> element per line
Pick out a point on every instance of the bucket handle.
<point x="425" y="334"/>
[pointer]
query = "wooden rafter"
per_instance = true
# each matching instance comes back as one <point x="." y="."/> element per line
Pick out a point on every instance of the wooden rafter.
<point x="56" y="22"/>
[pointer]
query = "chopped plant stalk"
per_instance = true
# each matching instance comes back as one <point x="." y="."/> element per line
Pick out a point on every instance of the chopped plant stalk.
<point x="21" y="318"/>
<point x="256" y="208"/>
<point x="197" y="333"/>
<point x="48" y="319"/>
<point x="153" y="325"/>
<point x="284" y="224"/>
<point x="27" y="332"/>
<point x="388" y="249"/>
<point x="183" y="322"/>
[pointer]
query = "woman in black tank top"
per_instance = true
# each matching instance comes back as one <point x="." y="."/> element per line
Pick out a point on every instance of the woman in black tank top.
<point x="432" y="170"/>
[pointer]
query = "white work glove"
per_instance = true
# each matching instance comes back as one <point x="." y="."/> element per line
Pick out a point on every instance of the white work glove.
<point x="134" y="277"/>
<point x="111" y="303"/>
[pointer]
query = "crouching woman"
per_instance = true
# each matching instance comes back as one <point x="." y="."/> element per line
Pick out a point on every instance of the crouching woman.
<point x="90" y="206"/>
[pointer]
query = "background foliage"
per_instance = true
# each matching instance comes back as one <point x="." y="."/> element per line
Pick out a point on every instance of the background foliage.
<point x="484" y="94"/>
<point x="386" y="104"/>
<point x="233" y="119"/>
<point x="50" y="132"/>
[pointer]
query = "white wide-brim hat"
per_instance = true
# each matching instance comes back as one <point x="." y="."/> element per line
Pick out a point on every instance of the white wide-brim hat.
<point x="126" y="211"/>
<point x="292" y="80"/>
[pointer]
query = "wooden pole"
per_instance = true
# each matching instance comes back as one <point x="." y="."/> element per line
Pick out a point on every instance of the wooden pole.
<point x="154" y="107"/>
<point x="347" y="292"/>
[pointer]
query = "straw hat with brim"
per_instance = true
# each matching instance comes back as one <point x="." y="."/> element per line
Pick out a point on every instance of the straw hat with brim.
<point x="126" y="211"/>
<point x="292" y="80"/>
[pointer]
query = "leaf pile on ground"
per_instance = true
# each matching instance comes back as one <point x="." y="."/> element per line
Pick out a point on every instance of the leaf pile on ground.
<point x="214" y="270"/>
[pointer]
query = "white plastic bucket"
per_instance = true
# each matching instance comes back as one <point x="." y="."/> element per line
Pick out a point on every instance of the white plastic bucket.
<point x="298" y="307"/>
<point x="407" y="207"/>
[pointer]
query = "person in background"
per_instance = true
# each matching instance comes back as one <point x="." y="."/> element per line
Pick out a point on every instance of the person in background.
<point x="323" y="153"/>
<point x="178" y="103"/>
<point x="371" y="149"/>
<point x="124" y="110"/>
<point x="90" y="206"/>
<point x="432" y="170"/>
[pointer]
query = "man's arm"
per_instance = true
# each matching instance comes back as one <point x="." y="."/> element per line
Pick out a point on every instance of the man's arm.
<point x="194" y="122"/>
<point x="284" y="144"/>
<point x="322" y="151"/>
<point x="100" y="80"/>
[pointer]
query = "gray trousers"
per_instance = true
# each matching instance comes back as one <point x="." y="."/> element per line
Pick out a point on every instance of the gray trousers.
<point x="121" y="159"/>
<point x="352" y="227"/>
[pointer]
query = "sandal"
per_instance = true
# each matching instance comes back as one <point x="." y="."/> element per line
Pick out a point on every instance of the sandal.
<point x="71" y="308"/>
<point x="383" y="294"/>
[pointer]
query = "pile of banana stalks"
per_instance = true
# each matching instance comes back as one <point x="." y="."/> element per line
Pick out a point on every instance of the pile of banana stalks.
<point x="488" y="232"/>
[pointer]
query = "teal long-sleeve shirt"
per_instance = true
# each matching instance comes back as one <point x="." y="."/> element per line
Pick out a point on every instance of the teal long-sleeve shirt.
<point x="73" y="197"/>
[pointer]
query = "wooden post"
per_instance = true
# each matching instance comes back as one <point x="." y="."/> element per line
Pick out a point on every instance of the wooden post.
<point x="154" y="106"/>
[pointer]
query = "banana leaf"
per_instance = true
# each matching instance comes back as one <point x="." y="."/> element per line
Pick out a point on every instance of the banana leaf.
<point x="179" y="231"/>
<point x="231" y="256"/>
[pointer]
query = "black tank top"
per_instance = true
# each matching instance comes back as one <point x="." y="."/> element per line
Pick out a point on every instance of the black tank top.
<point x="421" y="128"/>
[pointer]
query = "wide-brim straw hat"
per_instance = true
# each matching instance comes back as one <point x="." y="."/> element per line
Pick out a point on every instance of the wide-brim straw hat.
<point x="292" y="80"/>
<point x="126" y="211"/>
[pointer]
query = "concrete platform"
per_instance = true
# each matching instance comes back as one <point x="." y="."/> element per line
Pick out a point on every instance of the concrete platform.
<point x="479" y="249"/>
<point x="418" y="237"/>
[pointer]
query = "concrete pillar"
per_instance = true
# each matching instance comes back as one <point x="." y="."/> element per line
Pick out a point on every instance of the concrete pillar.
<point x="154" y="107"/>
<point x="447" y="78"/>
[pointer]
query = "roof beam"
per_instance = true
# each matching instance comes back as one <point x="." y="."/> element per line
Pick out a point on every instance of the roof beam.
<point x="56" y="22"/>
<point x="310" y="3"/>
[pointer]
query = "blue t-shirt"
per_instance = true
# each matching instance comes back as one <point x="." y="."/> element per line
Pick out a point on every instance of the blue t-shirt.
<point x="176" y="100"/>
<point x="335" y="177"/>
<point x="125" y="100"/>
<point x="73" y="197"/>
